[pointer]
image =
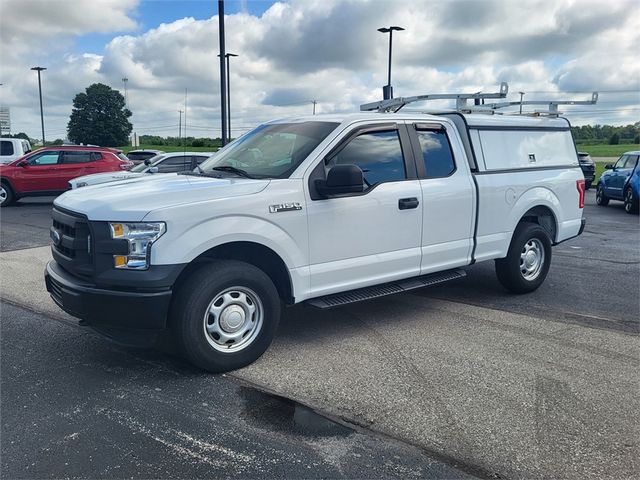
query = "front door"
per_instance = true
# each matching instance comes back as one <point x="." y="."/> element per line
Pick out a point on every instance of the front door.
<point x="374" y="236"/>
<point x="39" y="174"/>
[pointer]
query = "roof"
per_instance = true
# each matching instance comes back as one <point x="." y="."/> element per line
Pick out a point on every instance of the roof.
<point x="79" y="147"/>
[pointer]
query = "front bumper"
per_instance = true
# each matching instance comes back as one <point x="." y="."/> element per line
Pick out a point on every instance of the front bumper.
<point x="99" y="307"/>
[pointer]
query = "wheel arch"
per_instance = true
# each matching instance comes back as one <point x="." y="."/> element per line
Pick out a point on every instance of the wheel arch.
<point x="543" y="216"/>
<point x="253" y="253"/>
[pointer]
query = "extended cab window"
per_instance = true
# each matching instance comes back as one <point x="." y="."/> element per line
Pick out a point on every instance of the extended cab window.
<point x="44" y="158"/>
<point x="378" y="154"/>
<point x="6" y="148"/>
<point x="436" y="153"/>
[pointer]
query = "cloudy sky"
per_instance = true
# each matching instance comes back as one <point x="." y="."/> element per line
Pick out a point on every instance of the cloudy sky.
<point x="292" y="52"/>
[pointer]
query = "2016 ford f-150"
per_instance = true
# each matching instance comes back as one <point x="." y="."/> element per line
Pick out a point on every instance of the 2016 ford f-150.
<point x="325" y="210"/>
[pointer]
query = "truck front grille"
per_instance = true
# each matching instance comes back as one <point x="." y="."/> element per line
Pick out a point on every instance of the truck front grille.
<point x="71" y="241"/>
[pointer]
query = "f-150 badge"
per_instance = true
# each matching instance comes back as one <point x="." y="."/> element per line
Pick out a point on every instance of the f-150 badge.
<point x="285" y="207"/>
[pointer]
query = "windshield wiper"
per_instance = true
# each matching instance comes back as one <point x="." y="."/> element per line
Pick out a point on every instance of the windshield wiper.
<point x="230" y="169"/>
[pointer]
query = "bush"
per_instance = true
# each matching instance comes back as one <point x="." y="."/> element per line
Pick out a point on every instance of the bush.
<point x="614" y="139"/>
<point x="637" y="139"/>
<point x="197" y="143"/>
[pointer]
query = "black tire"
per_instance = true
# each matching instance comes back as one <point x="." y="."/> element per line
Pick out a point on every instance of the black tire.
<point x="601" y="198"/>
<point x="528" y="236"/>
<point x="6" y="195"/>
<point x="630" y="203"/>
<point x="190" y="316"/>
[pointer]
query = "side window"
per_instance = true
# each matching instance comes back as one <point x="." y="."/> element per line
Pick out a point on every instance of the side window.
<point x="436" y="153"/>
<point x="175" y="164"/>
<point x="621" y="161"/>
<point x="378" y="154"/>
<point x="6" y="148"/>
<point x="199" y="159"/>
<point x="631" y="161"/>
<point x="44" y="158"/>
<point x="96" y="156"/>
<point x="76" y="156"/>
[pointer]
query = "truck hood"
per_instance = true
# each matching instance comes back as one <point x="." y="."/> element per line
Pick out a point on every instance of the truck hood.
<point x="131" y="200"/>
<point x="96" y="178"/>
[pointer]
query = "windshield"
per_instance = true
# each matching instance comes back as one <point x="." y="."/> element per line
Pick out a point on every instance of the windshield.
<point x="141" y="167"/>
<point x="271" y="150"/>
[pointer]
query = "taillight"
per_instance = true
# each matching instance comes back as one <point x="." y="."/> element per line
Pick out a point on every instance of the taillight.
<point x="581" y="189"/>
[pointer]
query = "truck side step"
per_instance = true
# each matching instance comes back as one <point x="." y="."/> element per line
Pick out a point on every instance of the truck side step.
<point x="368" y="293"/>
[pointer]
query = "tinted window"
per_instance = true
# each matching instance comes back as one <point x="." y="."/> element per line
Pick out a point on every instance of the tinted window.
<point x="6" y="148"/>
<point x="137" y="156"/>
<point x="436" y="153"/>
<point x="96" y="156"/>
<point x="200" y="159"/>
<point x="378" y="154"/>
<point x="174" y="164"/>
<point x="44" y="158"/>
<point x="78" y="156"/>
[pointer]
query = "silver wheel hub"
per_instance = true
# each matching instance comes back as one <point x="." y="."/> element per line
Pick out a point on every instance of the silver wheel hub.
<point x="3" y="194"/>
<point x="532" y="259"/>
<point x="233" y="319"/>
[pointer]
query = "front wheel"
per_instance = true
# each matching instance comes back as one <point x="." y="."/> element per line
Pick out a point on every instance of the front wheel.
<point x="528" y="259"/>
<point x="225" y="315"/>
<point x="630" y="203"/>
<point x="6" y="195"/>
<point x="601" y="198"/>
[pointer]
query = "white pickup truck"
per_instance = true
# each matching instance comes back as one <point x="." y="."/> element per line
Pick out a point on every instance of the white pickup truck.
<point x="12" y="149"/>
<point x="325" y="210"/>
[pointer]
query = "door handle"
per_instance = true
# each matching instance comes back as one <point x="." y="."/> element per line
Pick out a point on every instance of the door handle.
<point x="408" y="203"/>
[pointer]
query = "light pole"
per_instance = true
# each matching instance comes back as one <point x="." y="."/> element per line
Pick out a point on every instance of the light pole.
<point x="227" y="55"/>
<point x="223" y="73"/>
<point x="521" y="95"/>
<point x="39" y="69"/>
<point x="387" y="90"/>
<point x="180" y="126"/>
<point x="126" y="98"/>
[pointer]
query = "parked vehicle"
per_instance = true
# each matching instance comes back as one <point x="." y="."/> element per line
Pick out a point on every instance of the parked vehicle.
<point x="621" y="181"/>
<point x="588" y="167"/>
<point x="13" y="148"/>
<point x="47" y="171"/>
<point x="163" y="163"/>
<point x="139" y="156"/>
<point x="325" y="210"/>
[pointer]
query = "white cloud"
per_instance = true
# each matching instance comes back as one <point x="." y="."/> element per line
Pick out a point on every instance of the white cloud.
<point x="327" y="50"/>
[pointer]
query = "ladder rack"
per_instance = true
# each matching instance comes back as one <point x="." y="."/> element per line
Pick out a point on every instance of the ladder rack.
<point x="395" y="104"/>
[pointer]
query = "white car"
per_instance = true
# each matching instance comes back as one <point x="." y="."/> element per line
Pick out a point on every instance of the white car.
<point x="163" y="163"/>
<point x="13" y="148"/>
<point x="325" y="210"/>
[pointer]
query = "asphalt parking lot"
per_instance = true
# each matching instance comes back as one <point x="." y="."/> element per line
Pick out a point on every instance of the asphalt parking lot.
<point x="460" y="379"/>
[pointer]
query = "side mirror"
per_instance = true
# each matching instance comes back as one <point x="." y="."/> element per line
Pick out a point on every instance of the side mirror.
<point x="147" y="161"/>
<point x="153" y="170"/>
<point x="341" y="179"/>
<point x="608" y="166"/>
<point x="23" y="163"/>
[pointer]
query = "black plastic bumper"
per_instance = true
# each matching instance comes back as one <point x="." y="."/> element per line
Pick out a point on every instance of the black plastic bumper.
<point x="131" y="310"/>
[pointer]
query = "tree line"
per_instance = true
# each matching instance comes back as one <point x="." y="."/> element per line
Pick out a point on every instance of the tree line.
<point x="607" y="134"/>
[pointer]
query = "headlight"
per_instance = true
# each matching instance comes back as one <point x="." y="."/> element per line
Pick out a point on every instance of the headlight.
<point x="140" y="237"/>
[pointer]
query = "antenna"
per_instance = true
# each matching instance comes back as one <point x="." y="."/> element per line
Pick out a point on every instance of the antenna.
<point x="395" y="104"/>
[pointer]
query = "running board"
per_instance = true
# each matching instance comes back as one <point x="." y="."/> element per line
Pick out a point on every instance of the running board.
<point x="369" y="293"/>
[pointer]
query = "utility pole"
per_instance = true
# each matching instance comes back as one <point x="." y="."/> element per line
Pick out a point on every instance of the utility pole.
<point x="39" y="69"/>
<point x="227" y="55"/>
<point x="185" y="119"/>
<point x="180" y="126"/>
<point x="314" y="106"/>
<point x="223" y="73"/>
<point x="521" y="95"/>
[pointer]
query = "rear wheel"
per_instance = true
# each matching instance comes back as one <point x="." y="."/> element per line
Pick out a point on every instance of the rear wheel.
<point x="225" y="315"/>
<point x="601" y="198"/>
<point x="630" y="203"/>
<point x="6" y="195"/>
<point x="527" y="262"/>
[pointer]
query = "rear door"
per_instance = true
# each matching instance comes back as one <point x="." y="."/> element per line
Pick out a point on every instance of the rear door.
<point x="73" y="163"/>
<point x="448" y="196"/>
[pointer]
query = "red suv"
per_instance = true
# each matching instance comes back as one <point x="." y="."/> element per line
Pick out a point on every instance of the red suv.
<point x="47" y="171"/>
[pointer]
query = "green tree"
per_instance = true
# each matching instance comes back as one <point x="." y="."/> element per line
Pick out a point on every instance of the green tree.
<point x="99" y="117"/>
<point x="614" y="139"/>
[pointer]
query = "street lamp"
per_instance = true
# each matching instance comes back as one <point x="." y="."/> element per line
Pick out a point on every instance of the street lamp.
<point x="387" y="90"/>
<point x="521" y="95"/>
<point x="126" y="99"/>
<point x="39" y="69"/>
